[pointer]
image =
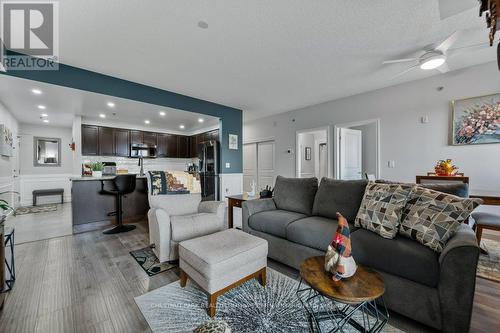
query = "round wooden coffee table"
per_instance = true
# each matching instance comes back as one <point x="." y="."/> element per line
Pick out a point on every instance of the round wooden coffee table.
<point x="349" y="301"/>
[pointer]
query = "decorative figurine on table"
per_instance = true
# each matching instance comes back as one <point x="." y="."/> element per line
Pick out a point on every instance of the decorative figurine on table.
<point x="252" y="186"/>
<point x="338" y="258"/>
<point x="445" y="168"/>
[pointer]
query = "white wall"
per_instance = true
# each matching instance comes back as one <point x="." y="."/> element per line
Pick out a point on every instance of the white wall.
<point x="369" y="147"/>
<point x="307" y="167"/>
<point x="8" y="164"/>
<point x="415" y="147"/>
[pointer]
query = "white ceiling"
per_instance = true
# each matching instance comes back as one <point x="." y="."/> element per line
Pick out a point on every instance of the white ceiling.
<point x="62" y="104"/>
<point x="261" y="56"/>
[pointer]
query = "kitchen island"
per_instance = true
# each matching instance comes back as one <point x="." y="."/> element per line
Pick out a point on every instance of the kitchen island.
<point x="89" y="206"/>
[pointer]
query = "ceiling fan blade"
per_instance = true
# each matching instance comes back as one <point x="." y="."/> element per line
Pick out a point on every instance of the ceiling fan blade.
<point x="449" y="8"/>
<point x="404" y="72"/>
<point x="448" y="42"/>
<point x="396" y="61"/>
<point x="443" y="68"/>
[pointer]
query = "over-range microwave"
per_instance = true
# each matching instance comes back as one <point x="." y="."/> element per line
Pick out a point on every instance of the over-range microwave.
<point x="138" y="150"/>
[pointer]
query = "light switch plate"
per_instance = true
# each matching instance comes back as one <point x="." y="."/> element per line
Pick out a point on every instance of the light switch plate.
<point x="391" y="164"/>
<point x="228" y="165"/>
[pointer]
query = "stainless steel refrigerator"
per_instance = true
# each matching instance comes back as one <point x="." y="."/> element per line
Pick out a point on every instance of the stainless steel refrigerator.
<point x="208" y="155"/>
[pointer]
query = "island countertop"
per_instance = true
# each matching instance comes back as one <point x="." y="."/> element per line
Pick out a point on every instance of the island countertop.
<point x="90" y="178"/>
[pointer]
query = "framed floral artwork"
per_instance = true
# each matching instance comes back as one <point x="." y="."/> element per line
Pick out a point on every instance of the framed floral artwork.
<point x="476" y="120"/>
<point x="6" y="141"/>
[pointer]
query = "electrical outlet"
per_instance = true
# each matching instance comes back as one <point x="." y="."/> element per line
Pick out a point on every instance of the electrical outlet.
<point x="228" y="165"/>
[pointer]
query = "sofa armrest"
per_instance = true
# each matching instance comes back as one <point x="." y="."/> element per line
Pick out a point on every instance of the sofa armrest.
<point x="252" y="207"/>
<point x="160" y="233"/>
<point x="457" y="281"/>
<point x="214" y="207"/>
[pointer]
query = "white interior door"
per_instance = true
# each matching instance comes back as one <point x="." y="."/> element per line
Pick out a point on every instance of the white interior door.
<point x="351" y="146"/>
<point x="249" y="165"/>
<point x="265" y="164"/>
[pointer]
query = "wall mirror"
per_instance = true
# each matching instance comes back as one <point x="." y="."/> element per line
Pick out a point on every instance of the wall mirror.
<point x="47" y="152"/>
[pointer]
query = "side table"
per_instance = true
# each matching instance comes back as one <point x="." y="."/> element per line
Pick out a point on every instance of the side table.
<point x="9" y="262"/>
<point x="235" y="201"/>
<point x="351" y="301"/>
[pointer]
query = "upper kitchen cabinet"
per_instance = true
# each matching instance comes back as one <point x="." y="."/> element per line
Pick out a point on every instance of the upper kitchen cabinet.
<point x="162" y="147"/>
<point x="136" y="137"/>
<point x="90" y="140"/>
<point x="172" y="146"/>
<point x="183" y="146"/>
<point x="106" y="141"/>
<point x="121" y="142"/>
<point x="149" y="139"/>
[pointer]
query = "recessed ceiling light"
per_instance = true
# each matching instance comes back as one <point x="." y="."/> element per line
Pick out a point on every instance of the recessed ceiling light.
<point x="102" y="115"/>
<point x="203" y="24"/>
<point x="36" y="91"/>
<point x="42" y="107"/>
<point x="44" y="115"/>
<point x="181" y="126"/>
<point x="45" y="120"/>
<point x="111" y="104"/>
<point x="162" y="113"/>
<point x="147" y="122"/>
<point x="200" y="120"/>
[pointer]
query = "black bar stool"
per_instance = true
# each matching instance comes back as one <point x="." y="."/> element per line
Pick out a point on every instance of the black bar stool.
<point x="122" y="184"/>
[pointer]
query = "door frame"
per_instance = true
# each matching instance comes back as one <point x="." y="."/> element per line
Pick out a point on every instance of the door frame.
<point x="328" y="151"/>
<point x="336" y="146"/>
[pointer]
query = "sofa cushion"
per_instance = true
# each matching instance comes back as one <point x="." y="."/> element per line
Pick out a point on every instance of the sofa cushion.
<point x="194" y="225"/>
<point x="295" y="194"/>
<point x="382" y="207"/>
<point x="460" y="189"/>
<point x="431" y="217"/>
<point x="400" y="256"/>
<point x="343" y="196"/>
<point x="315" y="231"/>
<point x="273" y="222"/>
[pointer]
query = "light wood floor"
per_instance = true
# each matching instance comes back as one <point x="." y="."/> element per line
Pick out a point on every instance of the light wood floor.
<point x="87" y="283"/>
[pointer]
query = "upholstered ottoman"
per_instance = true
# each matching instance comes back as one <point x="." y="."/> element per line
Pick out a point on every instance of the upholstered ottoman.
<point x="222" y="261"/>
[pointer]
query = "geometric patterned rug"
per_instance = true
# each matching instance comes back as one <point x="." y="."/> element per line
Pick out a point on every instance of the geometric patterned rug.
<point x="149" y="262"/>
<point x="489" y="264"/>
<point x="247" y="308"/>
<point x="36" y="209"/>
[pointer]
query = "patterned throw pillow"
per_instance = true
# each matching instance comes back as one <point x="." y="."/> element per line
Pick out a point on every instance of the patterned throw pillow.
<point x="382" y="207"/>
<point x="163" y="182"/>
<point x="432" y="218"/>
<point x="213" y="327"/>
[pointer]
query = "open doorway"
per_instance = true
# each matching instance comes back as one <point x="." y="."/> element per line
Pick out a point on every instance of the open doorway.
<point x="357" y="150"/>
<point x="313" y="153"/>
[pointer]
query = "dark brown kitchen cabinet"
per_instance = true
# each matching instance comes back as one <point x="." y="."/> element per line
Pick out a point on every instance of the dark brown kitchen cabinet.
<point x="161" y="150"/>
<point x="172" y="149"/>
<point x="90" y="140"/>
<point x="149" y="139"/>
<point x="136" y="137"/>
<point x="183" y="146"/>
<point x="193" y="149"/>
<point x="121" y="142"/>
<point x="106" y="147"/>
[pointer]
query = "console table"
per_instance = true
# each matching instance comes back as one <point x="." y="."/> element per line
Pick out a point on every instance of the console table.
<point x="235" y="201"/>
<point x="431" y="177"/>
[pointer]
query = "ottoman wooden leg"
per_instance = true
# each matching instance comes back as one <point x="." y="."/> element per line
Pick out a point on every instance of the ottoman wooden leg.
<point x="212" y="305"/>
<point x="184" y="278"/>
<point x="262" y="277"/>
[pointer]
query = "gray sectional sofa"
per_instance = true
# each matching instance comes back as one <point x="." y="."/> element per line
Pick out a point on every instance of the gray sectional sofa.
<point x="436" y="289"/>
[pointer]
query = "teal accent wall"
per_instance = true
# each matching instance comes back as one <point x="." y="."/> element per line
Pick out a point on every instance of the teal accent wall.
<point x="231" y="121"/>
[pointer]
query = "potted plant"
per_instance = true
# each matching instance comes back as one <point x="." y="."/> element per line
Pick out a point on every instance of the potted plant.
<point x="5" y="209"/>
<point x="97" y="168"/>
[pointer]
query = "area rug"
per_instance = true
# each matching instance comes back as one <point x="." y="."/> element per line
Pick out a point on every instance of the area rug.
<point x="36" y="209"/>
<point x="149" y="262"/>
<point x="247" y="308"/>
<point x="489" y="264"/>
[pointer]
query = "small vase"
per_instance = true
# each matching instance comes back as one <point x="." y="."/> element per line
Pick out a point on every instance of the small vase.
<point x="97" y="174"/>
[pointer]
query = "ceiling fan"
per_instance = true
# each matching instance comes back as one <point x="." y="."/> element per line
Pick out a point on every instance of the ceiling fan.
<point x="433" y="57"/>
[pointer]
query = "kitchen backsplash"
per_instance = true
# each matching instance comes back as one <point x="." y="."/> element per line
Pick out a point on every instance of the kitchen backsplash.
<point x="150" y="164"/>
